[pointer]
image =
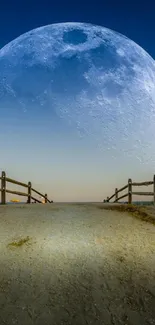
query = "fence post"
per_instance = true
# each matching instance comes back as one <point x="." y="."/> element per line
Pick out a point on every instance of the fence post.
<point x="29" y="192"/>
<point x="129" y="191"/>
<point x="116" y="194"/>
<point x="3" y="188"/>
<point x="154" y="189"/>
<point x="45" y="198"/>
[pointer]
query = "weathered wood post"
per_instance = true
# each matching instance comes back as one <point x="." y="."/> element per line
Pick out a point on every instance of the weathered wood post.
<point x="45" y="198"/>
<point x="29" y="192"/>
<point x="129" y="191"/>
<point x="116" y="194"/>
<point x="3" y="188"/>
<point x="154" y="189"/>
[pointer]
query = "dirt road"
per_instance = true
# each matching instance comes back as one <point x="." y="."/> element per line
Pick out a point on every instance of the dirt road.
<point x="75" y="264"/>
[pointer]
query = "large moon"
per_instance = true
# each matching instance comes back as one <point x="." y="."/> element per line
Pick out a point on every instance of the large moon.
<point x="97" y="81"/>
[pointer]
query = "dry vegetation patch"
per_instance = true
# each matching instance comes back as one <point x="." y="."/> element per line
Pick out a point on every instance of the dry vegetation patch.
<point x="20" y="242"/>
<point x="140" y="212"/>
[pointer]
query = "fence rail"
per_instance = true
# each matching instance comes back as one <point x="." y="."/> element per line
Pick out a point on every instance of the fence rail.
<point x="27" y="194"/>
<point x="130" y="191"/>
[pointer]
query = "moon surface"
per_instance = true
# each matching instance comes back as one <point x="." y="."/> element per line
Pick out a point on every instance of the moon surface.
<point x="95" y="80"/>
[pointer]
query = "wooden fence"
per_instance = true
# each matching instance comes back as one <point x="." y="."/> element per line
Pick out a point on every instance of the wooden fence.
<point x="29" y="187"/>
<point x="131" y="192"/>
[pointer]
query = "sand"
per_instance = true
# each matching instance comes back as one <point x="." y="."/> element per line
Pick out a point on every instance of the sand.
<point x="75" y="264"/>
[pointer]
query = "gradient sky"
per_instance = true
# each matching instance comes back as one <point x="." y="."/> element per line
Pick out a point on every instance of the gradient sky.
<point x="38" y="147"/>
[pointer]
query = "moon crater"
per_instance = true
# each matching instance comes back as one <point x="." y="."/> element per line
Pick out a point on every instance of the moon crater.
<point x="74" y="37"/>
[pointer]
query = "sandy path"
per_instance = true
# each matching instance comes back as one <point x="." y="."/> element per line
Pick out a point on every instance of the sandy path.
<point x="81" y="265"/>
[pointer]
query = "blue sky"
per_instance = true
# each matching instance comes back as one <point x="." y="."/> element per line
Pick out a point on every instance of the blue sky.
<point x="38" y="145"/>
